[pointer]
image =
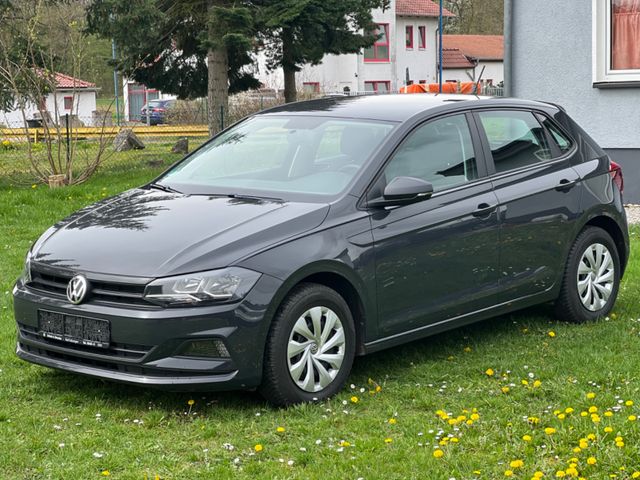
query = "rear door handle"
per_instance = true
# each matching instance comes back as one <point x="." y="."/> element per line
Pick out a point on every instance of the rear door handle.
<point x="484" y="209"/>
<point x="566" y="185"/>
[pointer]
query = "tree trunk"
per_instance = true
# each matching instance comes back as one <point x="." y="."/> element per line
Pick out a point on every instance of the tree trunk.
<point x="288" y="67"/>
<point x="217" y="78"/>
<point x="217" y="89"/>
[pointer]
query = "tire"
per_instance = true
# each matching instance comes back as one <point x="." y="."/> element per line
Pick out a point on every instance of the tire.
<point x="591" y="278"/>
<point x="296" y="369"/>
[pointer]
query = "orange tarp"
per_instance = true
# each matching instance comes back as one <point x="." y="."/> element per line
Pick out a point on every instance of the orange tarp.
<point x="448" y="87"/>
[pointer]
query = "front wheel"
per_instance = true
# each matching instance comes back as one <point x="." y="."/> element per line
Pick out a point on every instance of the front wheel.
<point x="591" y="279"/>
<point x="310" y="348"/>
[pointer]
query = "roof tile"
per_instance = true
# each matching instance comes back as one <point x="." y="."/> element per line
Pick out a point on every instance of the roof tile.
<point x="420" y="8"/>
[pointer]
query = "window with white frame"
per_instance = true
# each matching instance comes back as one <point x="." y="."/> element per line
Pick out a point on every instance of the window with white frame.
<point x="616" y="43"/>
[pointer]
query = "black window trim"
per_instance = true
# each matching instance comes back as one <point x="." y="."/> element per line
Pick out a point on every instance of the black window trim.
<point x="482" y="163"/>
<point x="490" y="165"/>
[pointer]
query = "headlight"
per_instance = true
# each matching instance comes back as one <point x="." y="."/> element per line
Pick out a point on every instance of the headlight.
<point x="25" y="276"/>
<point x="228" y="284"/>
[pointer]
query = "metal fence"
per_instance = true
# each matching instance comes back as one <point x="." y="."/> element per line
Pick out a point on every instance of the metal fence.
<point x="35" y="150"/>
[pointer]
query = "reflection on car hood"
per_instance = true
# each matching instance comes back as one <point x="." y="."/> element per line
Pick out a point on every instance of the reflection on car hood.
<point x="151" y="233"/>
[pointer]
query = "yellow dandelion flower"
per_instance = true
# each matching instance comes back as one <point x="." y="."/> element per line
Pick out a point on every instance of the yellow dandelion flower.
<point x="608" y="429"/>
<point x="608" y="413"/>
<point x="552" y="334"/>
<point x="437" y="453"/>
<point x="629" y="403"/>
<point x="549" y="430"/>
<point x="455" y="439"/>
<point x="355" y="399"/>
<point x="632" y="418"/>
<point x="560" y="474"/>
<point x="537" y="384"/>
<point x="516" y="464"/>
<point x="592" y="437"/>
<point x="538" y="474"/>
<point x="388" y="440"/>
<point x="505" y="389"/>
<point x="191" y="402"/>
<point x="635" y="475"/>
<point x="619" y="444"/>
<point x="378" y="388"/>
<point x="344" y="443"/>
<point x="583" y="444"/>
<point x="524" y="382"/>
<point x="593" y="409"/>
<point x="591" y="395"/>
<point x="584" y="414"/>
<point x="561" y="416"/>
<point x="577" y="450"/>
<point x="489" y="372"/>
<point x="568" y="410"/>
<point x="572" y="471"/>
<point x="592" y="461"/>
<point x="392" y="421"/>
<point x="467" y="349"/>
<point x="106" y="473"/>
<point x="508" y="473"/>
<point x="475" y="417"/>
<point x="526" y="438"/>
<point x="280" y="429"/>
<point x="258" y="448"/>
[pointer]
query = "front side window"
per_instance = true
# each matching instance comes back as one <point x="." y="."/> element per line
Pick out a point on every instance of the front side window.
<point x="516" y="139"/>
<point x="379" y="51"/>
<point x="617" y="41"/>
<point x="440" y="152"/>
<point x="299" y="157"/>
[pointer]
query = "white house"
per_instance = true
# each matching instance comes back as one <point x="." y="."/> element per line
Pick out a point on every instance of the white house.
<point x="584" y="56"/>
<point x="406" y="50"/>
<point x="465" y="57"/>
<point x="72" y="96"/>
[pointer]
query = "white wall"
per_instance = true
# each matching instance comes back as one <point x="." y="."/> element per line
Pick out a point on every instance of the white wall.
<point x="421" y="63"/>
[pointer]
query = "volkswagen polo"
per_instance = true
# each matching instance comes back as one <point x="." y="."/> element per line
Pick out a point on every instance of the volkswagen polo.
<point x="314" y="232"/>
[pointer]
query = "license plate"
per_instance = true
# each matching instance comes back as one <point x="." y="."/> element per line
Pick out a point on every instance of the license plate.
<point x="91" y="332"/>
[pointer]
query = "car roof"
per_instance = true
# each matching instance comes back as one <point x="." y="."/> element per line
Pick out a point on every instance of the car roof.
<point x="393" y="107"/>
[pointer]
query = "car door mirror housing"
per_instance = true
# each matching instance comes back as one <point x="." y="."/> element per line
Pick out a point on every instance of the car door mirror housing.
<point x="402" y="191"/>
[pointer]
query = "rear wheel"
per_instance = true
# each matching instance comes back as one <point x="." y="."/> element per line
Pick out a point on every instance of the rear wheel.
<point x="310" y="348"/>
<point x="591" y="279"/>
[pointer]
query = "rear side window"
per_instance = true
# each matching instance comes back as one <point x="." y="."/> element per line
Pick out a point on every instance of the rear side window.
<point x="440" y="152"/>
<point x="560" y="139"/>
<point x="516" y="139"/>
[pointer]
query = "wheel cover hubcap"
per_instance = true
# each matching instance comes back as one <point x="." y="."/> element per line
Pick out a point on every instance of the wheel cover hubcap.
<point x="595" y="277"/>
<point x="316" y="349"/>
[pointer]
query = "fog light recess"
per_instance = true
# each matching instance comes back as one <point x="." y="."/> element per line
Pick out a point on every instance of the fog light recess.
<point x="209" y="348"/>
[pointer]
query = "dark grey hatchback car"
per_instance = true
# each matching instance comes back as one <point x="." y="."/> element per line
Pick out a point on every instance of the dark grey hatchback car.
<point x="317" y="231"/>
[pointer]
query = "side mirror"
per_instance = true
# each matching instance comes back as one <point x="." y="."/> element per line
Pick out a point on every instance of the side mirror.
<point x="402" y="191"/>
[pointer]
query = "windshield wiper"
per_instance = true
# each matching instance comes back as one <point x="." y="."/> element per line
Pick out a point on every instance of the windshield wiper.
<point x="253" y="197"/>
<point x="164" y="188"/>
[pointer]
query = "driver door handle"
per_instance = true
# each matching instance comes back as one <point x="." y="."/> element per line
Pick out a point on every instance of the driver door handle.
<point x="566" y="185"/>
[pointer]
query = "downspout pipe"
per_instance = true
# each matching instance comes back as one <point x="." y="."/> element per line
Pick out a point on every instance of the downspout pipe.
<point x="508" y="48"/>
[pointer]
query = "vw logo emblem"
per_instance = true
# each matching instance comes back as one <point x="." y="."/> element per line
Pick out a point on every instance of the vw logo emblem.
<point x="77" y="289"/>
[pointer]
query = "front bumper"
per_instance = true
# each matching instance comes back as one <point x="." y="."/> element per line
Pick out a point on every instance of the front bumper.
<point x="147" y="344"/>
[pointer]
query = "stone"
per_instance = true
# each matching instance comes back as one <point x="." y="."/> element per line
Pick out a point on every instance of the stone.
<point x="127" y="140"/>
<point x="181" y="146"/>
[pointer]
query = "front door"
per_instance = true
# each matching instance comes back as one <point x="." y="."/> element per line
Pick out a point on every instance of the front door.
<point x="438" y="258"/>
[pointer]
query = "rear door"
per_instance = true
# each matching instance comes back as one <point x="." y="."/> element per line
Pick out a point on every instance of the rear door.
<point x="539" y="196"/>
<point x="438" y="258"/>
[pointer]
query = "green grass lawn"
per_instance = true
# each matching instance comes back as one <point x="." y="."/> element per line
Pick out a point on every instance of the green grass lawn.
<point x="60" y="426"/>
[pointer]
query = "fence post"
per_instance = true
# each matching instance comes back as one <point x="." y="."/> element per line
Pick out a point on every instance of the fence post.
<point x="68" y="141"/>
<point x="221" y="117"/>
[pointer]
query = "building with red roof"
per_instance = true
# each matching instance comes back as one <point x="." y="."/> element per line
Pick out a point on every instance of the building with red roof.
<point x="465" y="57"/>
<point x="406" y="52"/>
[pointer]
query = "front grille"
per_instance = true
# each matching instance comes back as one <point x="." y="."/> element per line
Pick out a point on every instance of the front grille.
<point x="116" y="350"/>
<point x="100" y="291"/>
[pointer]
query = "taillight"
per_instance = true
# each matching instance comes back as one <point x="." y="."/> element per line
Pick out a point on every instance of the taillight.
<point x="615" y="171"/>
<point x="160" y="110"/>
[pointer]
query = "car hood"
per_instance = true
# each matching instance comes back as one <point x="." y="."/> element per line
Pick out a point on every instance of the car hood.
<point x="149" y="233"/>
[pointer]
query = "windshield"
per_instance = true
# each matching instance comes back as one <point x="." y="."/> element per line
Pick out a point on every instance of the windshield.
<point x="278" y="155"/>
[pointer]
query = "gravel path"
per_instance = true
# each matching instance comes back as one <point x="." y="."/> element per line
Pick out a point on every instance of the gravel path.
<point x="633" y="213"/>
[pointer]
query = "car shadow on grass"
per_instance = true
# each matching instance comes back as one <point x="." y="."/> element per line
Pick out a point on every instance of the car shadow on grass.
<point x="81" y="391"/>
